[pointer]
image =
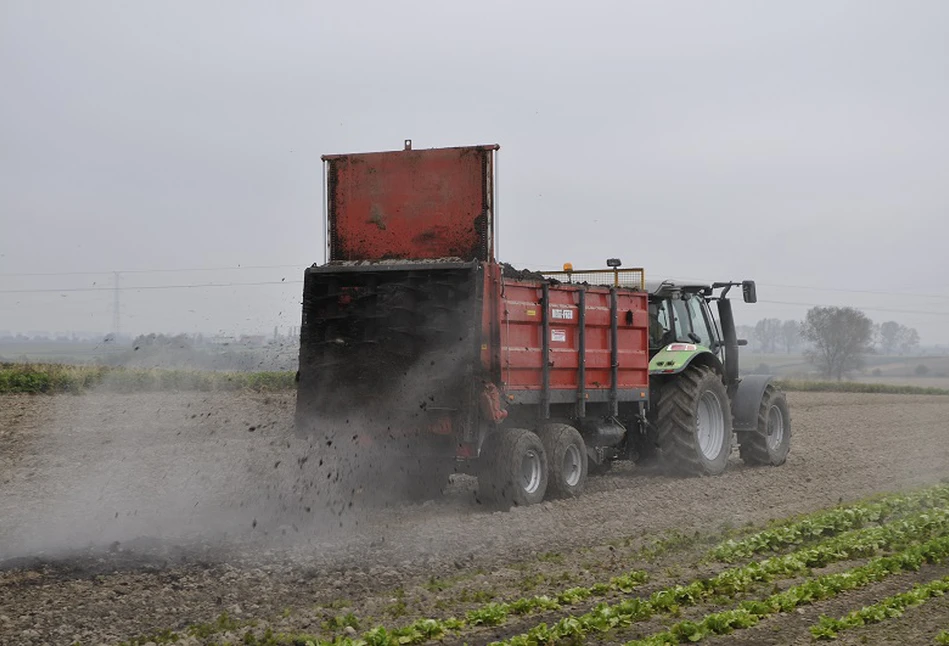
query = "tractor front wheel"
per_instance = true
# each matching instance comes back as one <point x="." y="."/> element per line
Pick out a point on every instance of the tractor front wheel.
<point x="771" y="443"/>
<point x="694" y="423"/>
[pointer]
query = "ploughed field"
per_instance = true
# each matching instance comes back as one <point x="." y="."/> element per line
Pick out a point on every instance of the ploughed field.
<point x="198" y="518"/>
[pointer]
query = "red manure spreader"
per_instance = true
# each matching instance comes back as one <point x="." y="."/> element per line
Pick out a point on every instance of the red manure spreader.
<point x="423" y="355"/>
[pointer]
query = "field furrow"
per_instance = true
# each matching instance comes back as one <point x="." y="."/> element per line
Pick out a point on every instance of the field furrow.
<point x="197" y="518"/>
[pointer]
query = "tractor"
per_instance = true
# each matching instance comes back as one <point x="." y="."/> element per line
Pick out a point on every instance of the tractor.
<point x="699" y="405"/>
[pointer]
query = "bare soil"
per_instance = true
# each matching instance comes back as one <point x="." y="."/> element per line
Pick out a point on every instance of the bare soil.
<point x="123" y="515"/>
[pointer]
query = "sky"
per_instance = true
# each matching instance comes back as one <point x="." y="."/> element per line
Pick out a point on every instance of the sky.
<point x="804" y="145"/>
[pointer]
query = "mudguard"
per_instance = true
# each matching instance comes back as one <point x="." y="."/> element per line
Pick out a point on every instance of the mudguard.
<point x="676" y="357"/>
<point x="746" y="401"/>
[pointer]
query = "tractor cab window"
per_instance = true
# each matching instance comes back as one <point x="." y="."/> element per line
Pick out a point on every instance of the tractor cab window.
<point x="660" y="324"/>
<point x="699" y="322"/>
<point x="682" y="320"/>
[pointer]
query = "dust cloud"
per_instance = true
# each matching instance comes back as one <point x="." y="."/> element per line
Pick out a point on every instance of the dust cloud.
<point x="130" y="478"/>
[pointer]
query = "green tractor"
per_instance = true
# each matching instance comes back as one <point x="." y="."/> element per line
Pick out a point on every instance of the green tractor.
<point x="699" y="405"/>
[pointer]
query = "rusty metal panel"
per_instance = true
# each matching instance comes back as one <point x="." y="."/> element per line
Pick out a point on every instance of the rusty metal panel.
<point x="411" y="204"/>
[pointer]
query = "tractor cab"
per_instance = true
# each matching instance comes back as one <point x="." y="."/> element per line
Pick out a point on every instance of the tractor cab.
<point x="679" y="313"/>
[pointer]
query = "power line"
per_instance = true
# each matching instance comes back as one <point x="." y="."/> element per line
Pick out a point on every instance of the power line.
<point x="299" y="282"/>
<point x="858" y="291"/>
<point x="831" y="289"/>
<point x="116" y="316"/>
<point x="144" y="287"/>
<point x="873" y="309"/>
<point x="151" y="271"/>
<point x="550" y="267"/>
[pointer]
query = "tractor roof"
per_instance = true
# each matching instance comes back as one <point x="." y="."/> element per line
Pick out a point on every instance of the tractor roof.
<point x="663" y="287"/>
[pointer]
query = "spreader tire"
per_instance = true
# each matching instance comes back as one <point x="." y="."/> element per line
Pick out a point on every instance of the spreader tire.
<point x="566" y="460"/>
<point x="694" y="423"/>
<point x="516" y="472"/>
<point x="770" y="445"/>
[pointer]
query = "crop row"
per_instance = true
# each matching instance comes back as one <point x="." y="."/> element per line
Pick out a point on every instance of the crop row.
<point x="854" y="544"/>
<point x="491" y="614"/>
<point x="749" y="613"/>
<point x="495" y="614"/>
<point x="828" y="627"/>
<point x="830" y="522"/>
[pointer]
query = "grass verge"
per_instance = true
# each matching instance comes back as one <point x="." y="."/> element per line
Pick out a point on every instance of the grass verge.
<point x="59" y="378"/>
<point x="55" y="378"/>
<point x="793" y="385"/>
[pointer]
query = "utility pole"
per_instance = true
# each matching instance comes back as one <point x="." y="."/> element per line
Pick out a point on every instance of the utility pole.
<point x="115" y="308"/>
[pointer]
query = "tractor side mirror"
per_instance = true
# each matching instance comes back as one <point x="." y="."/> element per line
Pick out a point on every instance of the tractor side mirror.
<point x="748" y="291"/>
<point x="742" y="341"/>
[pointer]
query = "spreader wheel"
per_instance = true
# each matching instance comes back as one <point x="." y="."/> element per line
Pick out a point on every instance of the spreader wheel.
<point x="515" y="473"/>
<point x="566" y="460"/>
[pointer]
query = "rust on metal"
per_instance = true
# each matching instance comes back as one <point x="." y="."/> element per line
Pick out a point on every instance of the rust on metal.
<point x="411" y="204"/>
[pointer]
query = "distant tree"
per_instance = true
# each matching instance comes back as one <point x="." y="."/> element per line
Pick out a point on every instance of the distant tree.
<point x="889" y="336"/>
<point x="768" y="334"/>
<point x="909" y="340"/>
<point x="791" y="335"/>
<point x="897" y="338"/>
<point x="746" y="332"/>
<point x="839" y="337"/>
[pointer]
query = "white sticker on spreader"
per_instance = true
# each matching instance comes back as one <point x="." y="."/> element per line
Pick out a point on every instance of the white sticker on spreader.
<point x="563" y="315"/>
<point x="558" y="335"/>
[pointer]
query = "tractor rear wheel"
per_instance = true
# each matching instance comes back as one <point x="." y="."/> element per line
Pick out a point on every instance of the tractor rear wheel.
<point x="516" y="470"/>
<point x="694" y="423"/>
<point x="771" y="443"/>
<point x="566" y="460"/>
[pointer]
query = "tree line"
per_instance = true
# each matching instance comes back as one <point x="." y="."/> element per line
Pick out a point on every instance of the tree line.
<point x="834" y="339"/>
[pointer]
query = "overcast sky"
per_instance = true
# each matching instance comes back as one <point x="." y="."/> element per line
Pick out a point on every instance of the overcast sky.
<point x="802" y="144"/>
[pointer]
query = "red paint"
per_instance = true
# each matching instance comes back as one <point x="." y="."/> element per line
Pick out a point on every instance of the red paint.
<point x="437" y="204"/>
<point x="519" y="319"/>
<point x="411" y="204"/>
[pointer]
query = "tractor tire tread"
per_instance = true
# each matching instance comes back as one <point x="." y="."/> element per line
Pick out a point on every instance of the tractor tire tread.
<point x="676" y="428"/>
<point x="753" y="447"/>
